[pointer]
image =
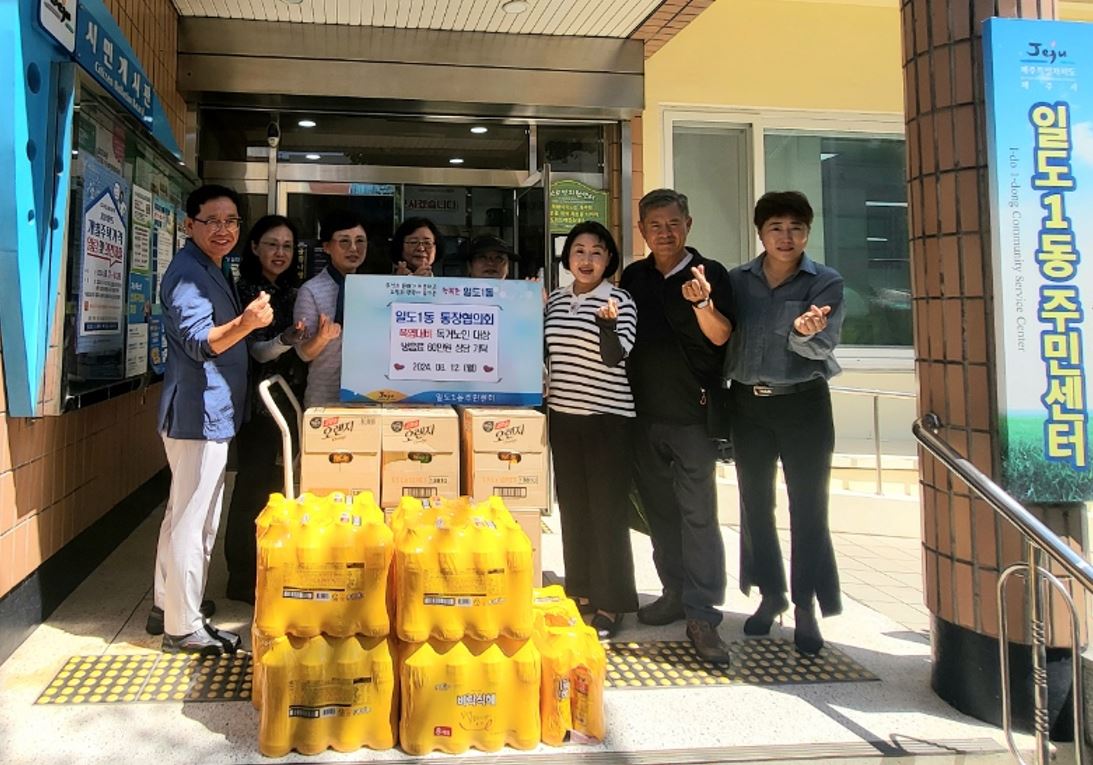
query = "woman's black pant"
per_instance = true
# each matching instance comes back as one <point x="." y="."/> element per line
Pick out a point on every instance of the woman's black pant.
<point x="796" y="428"/>
<point x="592" y="474"/>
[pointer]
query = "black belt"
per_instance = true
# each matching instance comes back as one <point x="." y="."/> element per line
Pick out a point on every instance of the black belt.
<point x="763" y="391"/>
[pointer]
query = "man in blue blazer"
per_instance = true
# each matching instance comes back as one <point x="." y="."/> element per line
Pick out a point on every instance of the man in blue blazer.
<point x="201" y="408"/>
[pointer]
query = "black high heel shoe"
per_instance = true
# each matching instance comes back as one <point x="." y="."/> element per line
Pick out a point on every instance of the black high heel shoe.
<point x="606" y="626"/>
<point x="806" y="635"/>
<point x="761" y="621"/>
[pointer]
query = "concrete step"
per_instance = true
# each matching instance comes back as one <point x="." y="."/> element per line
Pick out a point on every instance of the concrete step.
<point x="972" y="751"/>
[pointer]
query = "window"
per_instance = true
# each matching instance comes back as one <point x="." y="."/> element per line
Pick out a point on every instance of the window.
<point x="857" y="190"/>
<point x="852" y="169"/>
<point x="711" y="168"/>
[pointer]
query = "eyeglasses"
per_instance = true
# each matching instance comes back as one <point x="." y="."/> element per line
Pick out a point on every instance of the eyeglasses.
<point x="228" y="224"/>
<point x="413" y="244"/>
<point x="795" y="230"/>
<point x="491" y="257"/>
<point x="277" y="246"/>
<point x="360" y="244"/>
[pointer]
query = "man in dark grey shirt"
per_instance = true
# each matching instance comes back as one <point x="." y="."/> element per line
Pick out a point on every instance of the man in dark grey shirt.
<point x="788" y="312"/>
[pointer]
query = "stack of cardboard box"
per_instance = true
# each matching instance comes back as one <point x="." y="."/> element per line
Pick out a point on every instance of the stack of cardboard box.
<point x="429" y="452"/>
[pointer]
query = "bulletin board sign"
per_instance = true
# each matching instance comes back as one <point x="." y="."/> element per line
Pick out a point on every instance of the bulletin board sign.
<point x="1040" y="148"/>
<point x="573" y="202"/>
<point x="442" y="341"/>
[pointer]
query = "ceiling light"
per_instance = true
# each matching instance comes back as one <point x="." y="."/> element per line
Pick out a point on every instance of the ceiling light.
<point x="292" y="2"/>
<point x="514" y="6"/>
<point x="182" y="163"/>
<point x="306" y="123"/>
<point x="455" y="161"/>
<point x="479" y="129"/>
<point x="312" y="156"/>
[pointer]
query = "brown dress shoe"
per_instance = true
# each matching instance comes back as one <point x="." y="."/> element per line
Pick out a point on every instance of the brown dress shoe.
<point x="707" y="643"/>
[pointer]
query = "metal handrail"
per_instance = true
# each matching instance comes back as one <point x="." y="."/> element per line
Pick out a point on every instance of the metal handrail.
<point x="1040" y="543"/>
<point x="289" y="456"/>
<point x="877" y="395"/>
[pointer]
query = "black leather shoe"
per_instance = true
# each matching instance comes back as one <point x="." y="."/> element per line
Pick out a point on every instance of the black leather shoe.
<point x="806" y="635"/>
<point x="206" y="641"/>
<point x="586" y="608"/>
<point x="154" y="625"/>
<point x="761" y="621"/>
<point x="707" y="643"/>
<point x="606" y="626"/>
<point x="666" y="609"/>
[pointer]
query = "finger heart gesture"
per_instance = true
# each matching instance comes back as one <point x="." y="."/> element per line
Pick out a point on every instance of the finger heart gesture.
<point x="609" y="311"/>
<point x="697" y="289"/>
<point x="812" y="321"/>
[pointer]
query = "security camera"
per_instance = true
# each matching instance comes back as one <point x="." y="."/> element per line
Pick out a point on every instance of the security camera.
<point x="273" y="135"/>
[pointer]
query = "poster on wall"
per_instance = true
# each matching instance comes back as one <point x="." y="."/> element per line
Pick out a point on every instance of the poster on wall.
<point x="157" y="344"/>
<point x="136" y="350"/>
<point x="101" y="307"/>
<point x="1040" y="144"/>
<point x="163" y="241"/>
<point x="442" y="341"/>
<point x="573" y="202"/>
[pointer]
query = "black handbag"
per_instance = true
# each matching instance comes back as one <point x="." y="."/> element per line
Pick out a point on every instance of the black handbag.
<point x="718" y="414"/>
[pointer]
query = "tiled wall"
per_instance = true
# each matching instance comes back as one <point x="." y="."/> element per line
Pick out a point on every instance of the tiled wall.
<point x="965" y="544"/>
<point x="152" y="29"/>
<point x="670" y="17"/>
<point x="60" y="474"/>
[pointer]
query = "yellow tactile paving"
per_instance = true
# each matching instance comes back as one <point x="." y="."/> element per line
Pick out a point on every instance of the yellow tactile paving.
<point x="765" y="661"/>
<point x="144" y="678"/>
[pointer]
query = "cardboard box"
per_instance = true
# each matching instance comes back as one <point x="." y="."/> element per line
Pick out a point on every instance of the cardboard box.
<point x="505" y="455"/>
<point x="340" y="450"/>
<point x="420" y="453"/>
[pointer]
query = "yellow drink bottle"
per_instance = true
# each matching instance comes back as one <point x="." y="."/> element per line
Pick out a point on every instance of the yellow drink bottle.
<point x="276" y="557"/>
<point x="469" y="694"/>
<point x="324" y="692"/>
<point x="574" y="668"/>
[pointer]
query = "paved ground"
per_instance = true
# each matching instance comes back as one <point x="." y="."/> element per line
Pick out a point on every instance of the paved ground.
<point x="883" y="628"/>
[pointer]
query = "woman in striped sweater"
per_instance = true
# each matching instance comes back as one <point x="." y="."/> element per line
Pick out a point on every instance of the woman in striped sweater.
<point x="590" y="327"/>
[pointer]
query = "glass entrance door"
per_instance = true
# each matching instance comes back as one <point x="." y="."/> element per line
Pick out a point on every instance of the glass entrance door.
<point x="307" y="203"/>
<point x="533" y="241"/>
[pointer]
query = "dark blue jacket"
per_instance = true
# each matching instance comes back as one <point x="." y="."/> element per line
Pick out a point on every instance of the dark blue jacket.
<point x="204" y="394"/>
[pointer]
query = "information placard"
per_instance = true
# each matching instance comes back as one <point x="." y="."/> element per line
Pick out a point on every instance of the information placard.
<point x="442" y="341"/>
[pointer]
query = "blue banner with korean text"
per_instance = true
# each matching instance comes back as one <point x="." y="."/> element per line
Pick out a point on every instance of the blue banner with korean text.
<point x="1039" y="77"/>
<point x="103" y="51"/>
<point x="420" y="340"/>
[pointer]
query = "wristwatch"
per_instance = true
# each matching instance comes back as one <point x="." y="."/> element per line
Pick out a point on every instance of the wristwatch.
<point x="700" y="304"/>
